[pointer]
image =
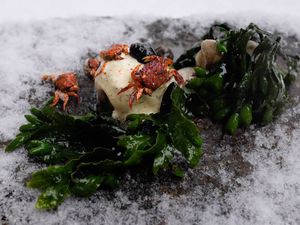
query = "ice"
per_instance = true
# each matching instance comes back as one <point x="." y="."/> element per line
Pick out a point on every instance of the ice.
<point x="251" y="179"/>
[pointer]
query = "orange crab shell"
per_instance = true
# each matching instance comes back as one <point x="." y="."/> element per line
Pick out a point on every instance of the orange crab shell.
<point x="157" y="72"/>
<point x="90" y="67"/>
<point x="154" y="74"/>
<point x="114" y="52"/>
<point x="65" y="85"/>
<point x="66" y="82"/>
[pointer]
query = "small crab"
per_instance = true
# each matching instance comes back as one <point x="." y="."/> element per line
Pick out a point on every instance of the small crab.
<point x="90" y="67"/>
<point x="65" y="85"/>
<point x="114" y="52"/>
<point x="155" y="73"/>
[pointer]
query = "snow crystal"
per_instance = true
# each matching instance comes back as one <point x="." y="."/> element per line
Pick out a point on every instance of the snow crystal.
<point x="251" y="179"/>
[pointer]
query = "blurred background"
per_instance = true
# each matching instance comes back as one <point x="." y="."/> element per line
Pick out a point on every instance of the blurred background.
<point x="16" y="10"/>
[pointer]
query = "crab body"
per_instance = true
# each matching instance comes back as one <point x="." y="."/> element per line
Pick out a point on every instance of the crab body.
<point x="90" y="67"/>
<point x="154" y="74"/>
<point x="65" y="85"/>
<point x="114" y="52"/>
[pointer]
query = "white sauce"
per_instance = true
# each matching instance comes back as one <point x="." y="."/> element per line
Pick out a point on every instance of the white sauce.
<point x="117" y="75"/>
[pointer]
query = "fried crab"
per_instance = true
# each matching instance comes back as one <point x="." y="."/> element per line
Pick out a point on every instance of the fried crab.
<point x="113" y="53"/>
<point x="91" y="66"/>
<point x="66" y="85"/>
<point x="156" y="72"/>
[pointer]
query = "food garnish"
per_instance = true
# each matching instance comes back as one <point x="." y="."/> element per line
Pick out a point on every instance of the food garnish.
<point x="114" y="52"/>
<point x="139" y="51"/>
<point x="147" y="74"/>
<point x="155" y="72"/>
<point x="65" y="85"/>
<point x="85" y="153"/>
<point x="91" y="66"/>
<point x="247" y="84"/>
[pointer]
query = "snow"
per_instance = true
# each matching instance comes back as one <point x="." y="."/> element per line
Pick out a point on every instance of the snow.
<point x="269" y="193"/>
<point x="16" y="10"/>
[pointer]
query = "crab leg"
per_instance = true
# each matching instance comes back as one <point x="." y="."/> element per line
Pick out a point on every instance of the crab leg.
<point x="72" y="93"/>
<point x="66" y="99"/>
<point x="49" y="77"/>
<point x="179" y="79"/>
<point x="139" y="94"/>
<point x="130" y="85"/>
<point x="134" y="71"/>
<point x="133" y="77"/>
<point x="56" y="98"/>
<point x="131" y="98"/>
<point x="150" y="58"/>
<point x="102" y="69"/>
<point x="148" y="91"/>
<point x="74" y="88"/>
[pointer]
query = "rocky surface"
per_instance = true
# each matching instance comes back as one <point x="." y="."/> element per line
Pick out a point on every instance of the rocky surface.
<point x="251" y="178"/>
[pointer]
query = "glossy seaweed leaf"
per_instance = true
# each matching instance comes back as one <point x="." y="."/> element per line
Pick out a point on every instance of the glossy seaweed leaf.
<point x="175" y="133"/>
<point x="138" y="147"/>
<point x="89" y="152"/>
<point x="49" y="124"/>
<point x="50" y="152"/>
<point x="95" y="170"/>
<point x="72" y="145"/>
<point x="87" y="185"/>
<point x="184" y="134"/>
<point x="54" y="182"/>
<point x="254" y="79"/>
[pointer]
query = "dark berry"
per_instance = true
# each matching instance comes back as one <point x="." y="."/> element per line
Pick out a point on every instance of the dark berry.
<point x="139" y="51"/>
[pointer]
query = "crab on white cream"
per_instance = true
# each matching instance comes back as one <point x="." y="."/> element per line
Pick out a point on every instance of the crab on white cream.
<point x="116" y="75"/>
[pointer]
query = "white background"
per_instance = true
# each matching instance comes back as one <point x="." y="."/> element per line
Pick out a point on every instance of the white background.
<point x="17" y="10"/>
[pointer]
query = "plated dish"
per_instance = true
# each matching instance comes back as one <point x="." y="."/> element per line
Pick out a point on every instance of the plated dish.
<point x="232" y="76"/>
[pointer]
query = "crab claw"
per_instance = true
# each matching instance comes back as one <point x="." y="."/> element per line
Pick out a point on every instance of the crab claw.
<point x="49" y="77"/>
<point x="150" y="58"/>
<point x="179" y="79"/>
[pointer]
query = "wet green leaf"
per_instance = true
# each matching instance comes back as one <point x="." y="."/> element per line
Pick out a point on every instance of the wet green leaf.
<point x="195" y="83"/>
<point x="232" y="124"/>
<point x="32" y="119"/>
<point x="134" y="144"/>
<point x="221" y="47"/>
<point x="200" y="72"/>
<point x="177" y="171"/>
<point x="87" y="186"/>
<point x="214" y="83"/>
<point x="51" y="176"/>
<point x="162" y="159"/>
<point x="184" y="133"/>
<point x="20" y="140"/>
<point x="245" y="118"/>
<point x="52" y="197"/>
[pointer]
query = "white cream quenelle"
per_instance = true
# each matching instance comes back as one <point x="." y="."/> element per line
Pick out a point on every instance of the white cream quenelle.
<point x="117" y="74"/>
